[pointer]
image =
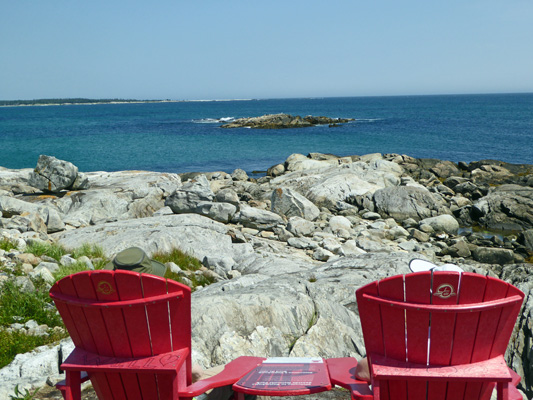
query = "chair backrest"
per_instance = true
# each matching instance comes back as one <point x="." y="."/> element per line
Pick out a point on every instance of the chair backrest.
<point x="126" y="314"/>
<point x="438" y="318"/>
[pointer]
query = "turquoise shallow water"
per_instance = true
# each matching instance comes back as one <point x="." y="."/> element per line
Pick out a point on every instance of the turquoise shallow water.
<point x="185" y="136"/>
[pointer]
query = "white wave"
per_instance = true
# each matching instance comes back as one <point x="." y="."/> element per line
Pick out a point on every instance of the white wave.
<point x="222" y="120"/>
<point x="368" y="119"/>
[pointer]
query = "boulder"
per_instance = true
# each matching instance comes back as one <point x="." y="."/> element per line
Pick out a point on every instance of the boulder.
<point x="526" y="238"/>
<point x="252" y="217"/>
<point x="445" y="169"/>
<point x="405" y="202"/>
<point x="331" y="184"/>
<point x="186" y="198"/>
<point x="506" y="207"/>
<point x="221" y="212"/>
<point x="276" y="170"/>
<point x="300" y="227"/>
<point x="10" y="207"/>
<point x="53" y="175"/>
<point x="492" y="255"/>
<point x="227" y="195"/>
<point x="239" y="175"/>
<point x="25" y="222"/>
<point x="289" y="203"/>
<point x="94" y="207"/>
<point x="442" y="223"/>
<point x="302" y="243"/>
<point x="220" y="265"/>
<point x="338" y="222"/>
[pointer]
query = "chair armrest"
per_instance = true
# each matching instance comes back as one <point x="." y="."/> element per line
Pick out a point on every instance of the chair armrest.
<point x="493" y="370"/>
<point x="81" y="360"/>
<point x="342" y="373"/>
<point x="233" y="371"/>
<point x="516" y="378"/>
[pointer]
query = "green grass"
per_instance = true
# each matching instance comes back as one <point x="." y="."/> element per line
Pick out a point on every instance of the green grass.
<point x="7" y="245"/>
<point x="90" y="250"/>
<point x="16" y="306"/>
<point x="63" y="270"/>
<point x="185" y="262"/>
<point x="13" y="343"/>
<point x="45" y="249"/>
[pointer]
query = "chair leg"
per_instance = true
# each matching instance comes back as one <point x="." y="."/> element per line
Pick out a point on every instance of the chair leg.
<point x="376" y="388"/>
<point x="503" y="390"/>
<point x="72" y="389"/>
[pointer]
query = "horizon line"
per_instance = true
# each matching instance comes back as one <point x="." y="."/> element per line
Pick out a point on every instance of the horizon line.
<point x="125" y="100"/>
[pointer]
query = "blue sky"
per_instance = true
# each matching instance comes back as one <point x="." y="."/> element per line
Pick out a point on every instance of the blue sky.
<point x="177" y="49"/>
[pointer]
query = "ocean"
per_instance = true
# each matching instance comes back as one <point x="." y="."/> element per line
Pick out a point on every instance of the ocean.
<point x="186" y="136"/>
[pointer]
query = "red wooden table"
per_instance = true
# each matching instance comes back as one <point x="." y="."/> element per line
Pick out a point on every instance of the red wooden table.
<point x="285" y="376"/>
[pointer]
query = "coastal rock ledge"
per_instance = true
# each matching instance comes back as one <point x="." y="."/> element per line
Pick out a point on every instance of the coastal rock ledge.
<point x="286" y="251"/>
<point x="279" y="121"/>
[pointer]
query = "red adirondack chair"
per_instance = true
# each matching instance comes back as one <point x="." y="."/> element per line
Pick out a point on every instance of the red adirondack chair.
<point x="132" y="337"/>
<point x="439" y="335"/>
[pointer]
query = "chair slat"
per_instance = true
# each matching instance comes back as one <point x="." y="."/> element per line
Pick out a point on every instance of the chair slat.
<point x="85" y="290"/>
<point x="489" y="320"/>
<point x="417" y="290"/>
<point x="370" y="316"/>
<point x="135" y="321"/>
<point x="507" y="323"/>
<point x="86" y="341"/>
<point x="471" y="291"/>
<point x="444" y="292"/>
<point x="393" y="322"/>
<point x="91" y="287"/>
<point x="158" y="315"/>
<point x="393" y="319"/>
<point x="181" y="325"/>
<point x="129" y="287"/>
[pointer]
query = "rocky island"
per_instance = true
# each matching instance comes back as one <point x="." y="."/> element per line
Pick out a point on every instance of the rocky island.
<point x="280" y="121"/>
<point x="286" y="251"/>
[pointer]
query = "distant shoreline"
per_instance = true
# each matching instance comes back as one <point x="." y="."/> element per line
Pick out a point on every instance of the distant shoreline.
<point x="91" y="102"/>
<point x="74" y="102"/>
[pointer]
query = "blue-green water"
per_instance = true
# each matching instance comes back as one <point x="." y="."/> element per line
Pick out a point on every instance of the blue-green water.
<point x="182" y="137"/>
